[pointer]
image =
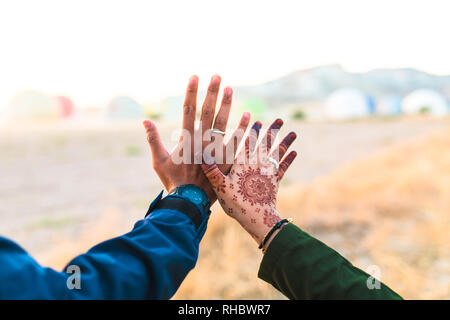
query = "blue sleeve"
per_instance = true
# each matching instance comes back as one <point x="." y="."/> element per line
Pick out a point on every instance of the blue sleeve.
<point x="150" y="262"/>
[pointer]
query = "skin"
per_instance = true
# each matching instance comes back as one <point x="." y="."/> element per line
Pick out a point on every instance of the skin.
<point x="248" y="192"/>
<point x="173" y="175"/>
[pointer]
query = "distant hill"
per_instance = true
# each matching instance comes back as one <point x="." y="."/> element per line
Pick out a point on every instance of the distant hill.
<point x="314" y="85"/>
<point x="309" y="88"/>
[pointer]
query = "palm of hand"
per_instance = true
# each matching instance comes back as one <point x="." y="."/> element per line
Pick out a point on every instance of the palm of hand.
<point x="249" y="196"/>
<point x="248" y="193"/>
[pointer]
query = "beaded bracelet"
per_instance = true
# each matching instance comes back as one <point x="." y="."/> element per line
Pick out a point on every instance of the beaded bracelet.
<point x="271" y="231"/>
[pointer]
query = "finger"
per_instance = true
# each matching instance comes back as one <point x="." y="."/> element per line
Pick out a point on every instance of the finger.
<point x="221" y="120"/>
<point x="209" y="106"/>
<point x="159" y="152"/>
<point x="240" y="130"/>
<point x="284" y="165"/>
<point x="252" y="139"/>
<point x="269" y="138"/>
<point x="190" y="105"/>
<point x="214" y="175"/>
<point x="284" y="145"/>
<point x="233" y="144"/>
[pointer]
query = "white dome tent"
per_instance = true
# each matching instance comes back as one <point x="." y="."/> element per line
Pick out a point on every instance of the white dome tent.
<point x="124" y="108"/>
<point x="425" y="101"/>
<point x="347" y="103"/>
<point x="33" y="105"/>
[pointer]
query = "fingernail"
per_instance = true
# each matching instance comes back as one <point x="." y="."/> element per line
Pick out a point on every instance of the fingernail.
<point x="292" y="135"/>
<point x="215" y="79"/>
<point x="276" y="124"/>
<point x="257" y="126"/>
<point x="146" y="124"/>
<point x="193" y="79"/>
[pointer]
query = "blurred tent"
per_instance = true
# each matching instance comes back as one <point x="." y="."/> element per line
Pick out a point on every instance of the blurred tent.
<point x="425" y="101"/>
<point x="347" y="103"/>
<point x="124" y="108"/>
<point x="31" y="104"/>
<point x="66" y="107"/>
<point x="389" y="105"/>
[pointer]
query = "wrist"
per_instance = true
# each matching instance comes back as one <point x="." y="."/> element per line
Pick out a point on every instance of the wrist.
<point x="271" y="234"/>
<point x="266" y="222"/>
<point x="205" y="188"/>
<point x="269" y="240"/>
<point x="194" y="194"/>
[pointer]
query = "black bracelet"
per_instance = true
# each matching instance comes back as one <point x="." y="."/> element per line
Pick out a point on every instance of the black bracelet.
<point x="274" y="228"/>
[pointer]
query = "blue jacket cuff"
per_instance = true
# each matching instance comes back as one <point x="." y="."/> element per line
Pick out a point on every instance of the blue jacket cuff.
<point x="181" y="204"/>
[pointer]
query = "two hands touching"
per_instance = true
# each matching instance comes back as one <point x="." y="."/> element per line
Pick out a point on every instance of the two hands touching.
<point x="152" y="260"/>
<point x="247" y="185"/>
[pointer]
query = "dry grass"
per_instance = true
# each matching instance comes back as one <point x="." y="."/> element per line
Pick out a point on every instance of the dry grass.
<point x="391" y="210"/>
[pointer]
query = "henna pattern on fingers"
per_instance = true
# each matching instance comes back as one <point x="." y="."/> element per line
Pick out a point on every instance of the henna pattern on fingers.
<point x="266" y="143"/>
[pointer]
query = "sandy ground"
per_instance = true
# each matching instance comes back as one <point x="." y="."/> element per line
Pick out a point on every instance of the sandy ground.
<point x="58" y="179"/>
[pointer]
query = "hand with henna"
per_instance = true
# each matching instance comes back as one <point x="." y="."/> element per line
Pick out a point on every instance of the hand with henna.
<point x="188" y="171"/>
<point x="248" y="193"/>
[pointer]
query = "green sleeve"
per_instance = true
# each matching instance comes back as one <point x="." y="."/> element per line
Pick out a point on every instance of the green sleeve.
<point x="302" y="267"/>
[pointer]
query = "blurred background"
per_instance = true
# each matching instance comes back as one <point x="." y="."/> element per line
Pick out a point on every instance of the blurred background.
<point x="365" y="84"/>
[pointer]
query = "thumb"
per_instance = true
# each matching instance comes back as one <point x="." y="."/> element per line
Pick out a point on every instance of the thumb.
<point x="159" y="152"/>
<point x="213" y="173"/>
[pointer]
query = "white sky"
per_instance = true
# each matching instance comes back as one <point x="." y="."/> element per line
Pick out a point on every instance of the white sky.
<point x="93" y="50"/>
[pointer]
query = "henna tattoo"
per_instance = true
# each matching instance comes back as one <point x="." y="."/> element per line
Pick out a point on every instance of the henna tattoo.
<point x="256" y="188"/>
<point x="285" y="144"/>
<point x="230" y="210"/>
<point x="243" y="211"/>
<point x="219" y="183"/>
<point x="250" y="142"/>
<point x="284" y="165"/>
<point x="270" y="218"/>
<point x="266" y="144"/>
<point x="234" y="198"/>
<point x="253" y="220"/>
<point x="231" y="186"/>
<point x="257" y="210"/>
